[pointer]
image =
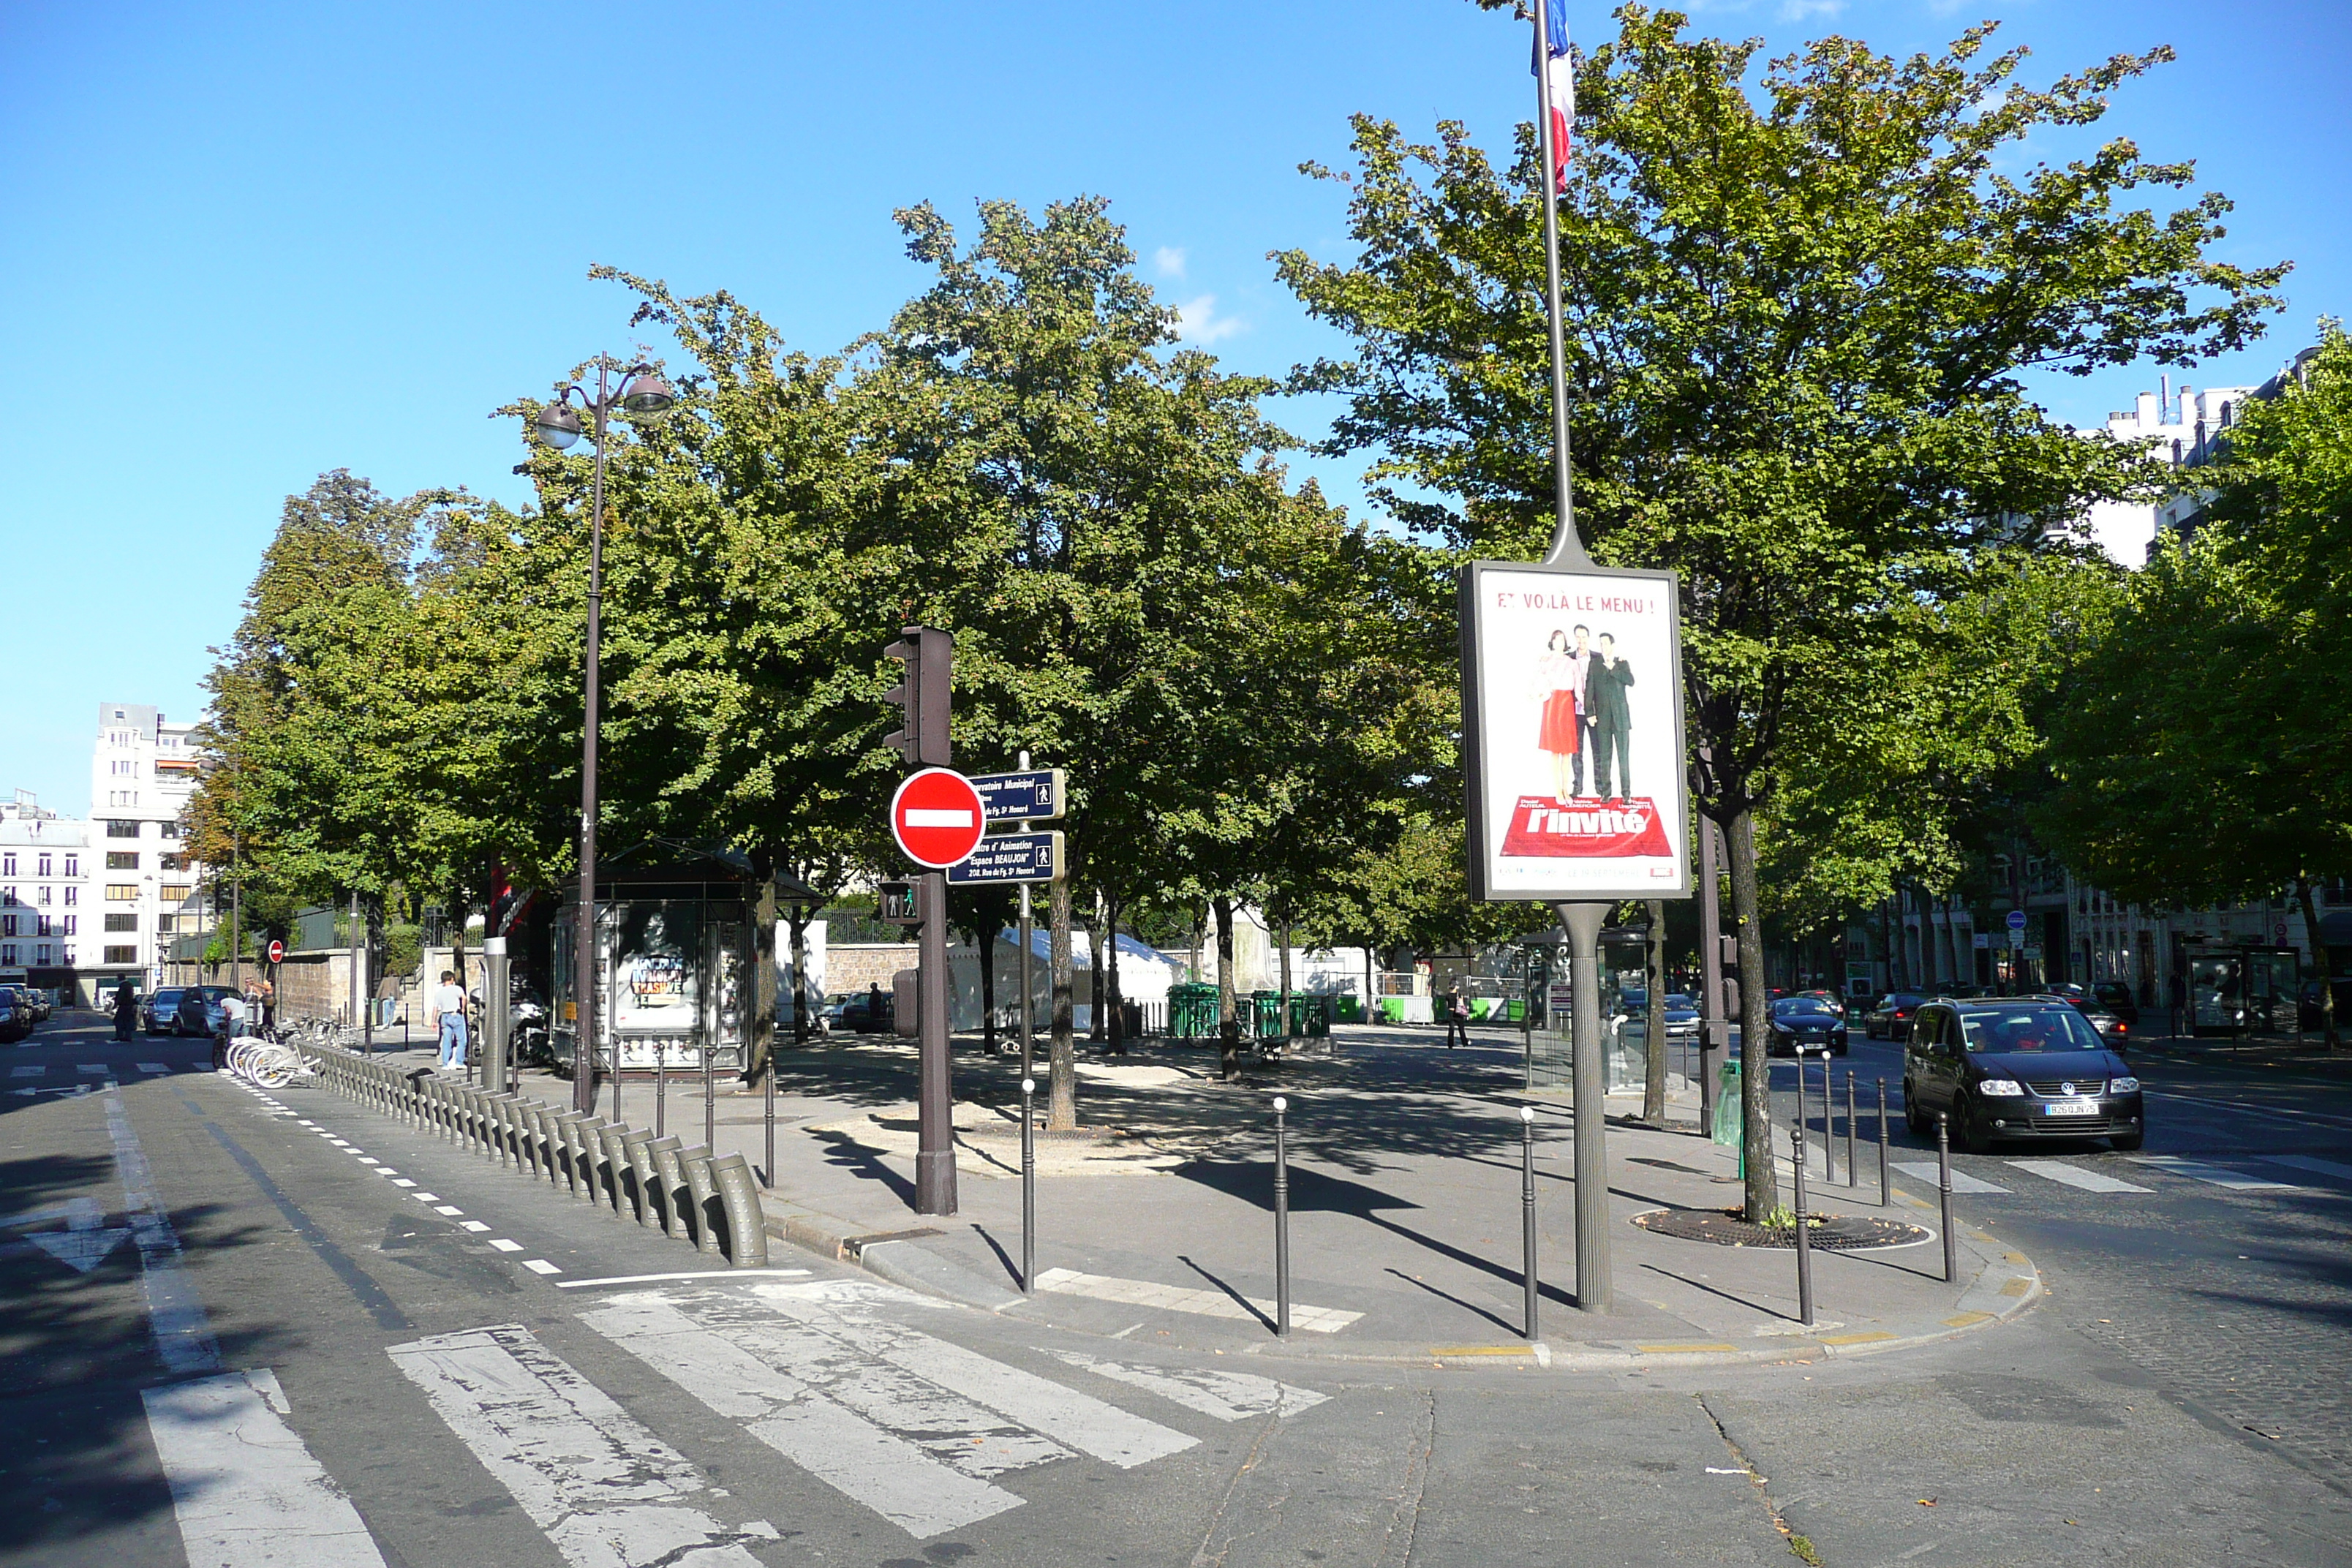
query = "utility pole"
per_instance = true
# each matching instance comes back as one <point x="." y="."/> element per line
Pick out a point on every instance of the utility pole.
<point x="924" y="696"/>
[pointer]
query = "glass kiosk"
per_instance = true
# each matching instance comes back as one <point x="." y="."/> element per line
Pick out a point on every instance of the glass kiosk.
<point x="673" y="960"/>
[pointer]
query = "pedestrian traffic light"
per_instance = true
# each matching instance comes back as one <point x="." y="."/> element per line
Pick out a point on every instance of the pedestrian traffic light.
<point x="928" y="654"/>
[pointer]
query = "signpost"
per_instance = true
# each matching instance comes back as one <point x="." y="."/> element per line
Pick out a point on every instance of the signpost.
<point x="275" y="951"/>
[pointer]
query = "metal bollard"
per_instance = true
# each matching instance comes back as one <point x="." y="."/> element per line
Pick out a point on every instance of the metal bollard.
<point x="1281" y="1221"/>
<point x="704" y="1184"/>
<point x="739" y="1198"/>
<point x="640" y="1174"/>
<point x="1884" y="1196"/>
<point x="1528" y="1211"/>
<point x="767" y="1118"/>
<point x="1944" y="1195"/>
<point x="1853" y="1167"/>
<point x="670" y="1179"/>
<point x="710" y="1101"/>
<point x="1028" y="1187"/>
<point x="572" y="1143"/>
<point x="1804" y="1242"/>
<point x="1829" y="1145"/>
<point x="661" y="1087"/>
<point x="610" y="1162"/>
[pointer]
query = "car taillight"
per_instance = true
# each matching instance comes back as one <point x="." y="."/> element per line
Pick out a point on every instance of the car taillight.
<point x="2120" y="1027"/>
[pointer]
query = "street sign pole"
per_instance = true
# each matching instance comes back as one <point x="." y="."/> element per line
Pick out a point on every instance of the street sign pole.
<point x="927" y="807"/>
<point x="935" y="1172"/>
<point x="1027" y="1043"/>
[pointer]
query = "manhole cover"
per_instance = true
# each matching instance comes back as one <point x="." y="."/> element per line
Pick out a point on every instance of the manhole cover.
<point x="1724" y="1227"/>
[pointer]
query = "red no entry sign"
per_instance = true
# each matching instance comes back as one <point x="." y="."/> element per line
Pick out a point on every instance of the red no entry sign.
<point x="937" y="818"/>
<point x="276" y="950"/>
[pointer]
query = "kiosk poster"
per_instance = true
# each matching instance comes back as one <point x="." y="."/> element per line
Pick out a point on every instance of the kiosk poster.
<point x="1573" y="730"/>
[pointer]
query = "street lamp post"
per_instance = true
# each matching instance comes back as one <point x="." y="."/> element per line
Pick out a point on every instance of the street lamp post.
<point x="558" y="425"/>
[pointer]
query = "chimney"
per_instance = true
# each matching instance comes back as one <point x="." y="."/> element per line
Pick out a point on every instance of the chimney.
<point x="2164" y="399"/>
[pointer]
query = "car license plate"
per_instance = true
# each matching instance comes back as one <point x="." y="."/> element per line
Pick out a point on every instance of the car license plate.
<point x="2074" y="1108"/>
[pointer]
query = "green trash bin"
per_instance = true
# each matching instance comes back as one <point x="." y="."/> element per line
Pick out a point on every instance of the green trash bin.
<point x="1348" y="1010"/>
<point x="1192" y="1011"/>
<point x="1262" y="1017"/>
<point x="1730" y="1112"/>
<point x="1310" y="1016"/>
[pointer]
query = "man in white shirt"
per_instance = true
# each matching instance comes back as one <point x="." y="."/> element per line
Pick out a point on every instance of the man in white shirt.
<point x="450" y="1002"/>
<point x="232" y="1008"/>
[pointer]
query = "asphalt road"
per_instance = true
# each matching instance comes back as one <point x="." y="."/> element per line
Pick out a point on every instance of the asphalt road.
<point x="240" y="1334"/>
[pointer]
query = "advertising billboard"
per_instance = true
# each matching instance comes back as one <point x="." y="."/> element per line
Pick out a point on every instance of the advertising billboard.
<point x="1572" y="733"/>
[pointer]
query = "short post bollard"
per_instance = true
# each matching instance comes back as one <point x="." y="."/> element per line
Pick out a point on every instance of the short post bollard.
<point x="1885" y="1196"/>
<point x="710" y="1101"/>
<point x="768" y="1114"/>
<point x="1829" y="1145"/>
<point x="1028" y="1187"/>
<point x="1852" y="1165"/>
<point x="661" y="1087"/>
<point x="1804" y="1242"/>
<point x="1944" y="1194"/>
<point x="1528" y="1211"/>
<point x="1281" y="1221"/>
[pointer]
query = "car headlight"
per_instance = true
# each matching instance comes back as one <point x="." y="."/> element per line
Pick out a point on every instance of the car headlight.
<point x="2122" y="1086"/>
<point x="2001" y="1085"/>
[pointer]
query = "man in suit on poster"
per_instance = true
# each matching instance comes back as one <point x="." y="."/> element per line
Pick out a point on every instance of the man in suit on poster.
<point x="1606" y="681"/>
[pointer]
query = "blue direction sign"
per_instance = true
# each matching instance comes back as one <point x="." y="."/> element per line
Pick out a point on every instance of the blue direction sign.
<point x="2016" y="917"/>
<point x="1034" y="795"/>
<point x="1012" y="857"/>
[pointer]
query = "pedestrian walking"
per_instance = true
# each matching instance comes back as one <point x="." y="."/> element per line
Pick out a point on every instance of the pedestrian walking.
<point x="450" y="1002"/>
<point x="126" y="1010"/>
<point x="1457" y="1020"/>
<point x="2177" y="990"/>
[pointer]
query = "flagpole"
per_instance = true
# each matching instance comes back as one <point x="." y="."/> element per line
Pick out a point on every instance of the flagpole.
<point x="1567" y="548"/>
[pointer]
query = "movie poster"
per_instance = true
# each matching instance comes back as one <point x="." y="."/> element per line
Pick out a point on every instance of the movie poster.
<point x="1573" y="730"/>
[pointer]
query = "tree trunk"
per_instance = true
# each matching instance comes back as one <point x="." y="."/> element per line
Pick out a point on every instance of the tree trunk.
<point x="1118" y="994"/>
<point x="1062" y="1096"/>
<point x="2319" y="958"/>
<point x="1763" y="1192"/>
<point x="796" y="918"/>
<point x="1288" y="1039"/>
<point x="1228" y="1028"/>
<point x="1654" y="1085"/>
<point x="1096" y="1024"/>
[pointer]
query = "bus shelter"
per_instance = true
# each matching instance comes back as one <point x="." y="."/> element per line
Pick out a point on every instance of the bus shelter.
<point x="2237" y="988"/>
<point x="673" y="961"/>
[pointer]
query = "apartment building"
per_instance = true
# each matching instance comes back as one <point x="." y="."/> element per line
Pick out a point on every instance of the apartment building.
<point x="143" y="769"/>
<point x="43" y="882"/>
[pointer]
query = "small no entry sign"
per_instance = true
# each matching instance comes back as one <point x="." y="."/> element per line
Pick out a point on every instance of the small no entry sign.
<point x="937" y="818"/>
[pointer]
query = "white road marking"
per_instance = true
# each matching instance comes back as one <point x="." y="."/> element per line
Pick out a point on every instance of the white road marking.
<point x="1184" y="1299"/>
<point x="176" y="1314"/>
<point x="2215" y="1175"/>
<point x="427" y="1197"/>
<point x="608" y="1492"/>
<point x="2076" y="1176"/>
<point x="898" y="1474"/>
<point x="397" y="1181"/>
<point x="2309" y="1162"/>
<point x="1082" y="1422"/>
<point x="245" y="1489"/>
<point x="450" y="1209"/>
<point x="29" y="1070"/>
<point x="504" y="1245"/>
<point x="89" y="1067"/>
<point x="1225" y="1395"/>
<point x="150" y="1066"/>
<point x="477" y="1226"/>
<point x="83" y="1245"/>
<point x="1924" y="1170"/>
<point x="540" y="1265"/>
<point x="698" y="1274"/>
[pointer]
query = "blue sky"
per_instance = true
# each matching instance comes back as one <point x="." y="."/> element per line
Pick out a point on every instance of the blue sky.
<point x="247" y="243"/>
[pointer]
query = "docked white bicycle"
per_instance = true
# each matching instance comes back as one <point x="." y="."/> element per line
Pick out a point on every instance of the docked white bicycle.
<point x="266" y="1064"/>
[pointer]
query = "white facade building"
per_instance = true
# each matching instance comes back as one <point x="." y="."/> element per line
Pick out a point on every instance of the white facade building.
<point x="2179" y="428"/>
<point x="44" y="898"/>
<point x="142" y="772"/>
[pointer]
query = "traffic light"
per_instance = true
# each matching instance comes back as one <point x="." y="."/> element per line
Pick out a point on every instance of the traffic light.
<point x="928" y="654"/>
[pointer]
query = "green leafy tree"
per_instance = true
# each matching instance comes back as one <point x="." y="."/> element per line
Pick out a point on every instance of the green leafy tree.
<point x="1799" y="298"/>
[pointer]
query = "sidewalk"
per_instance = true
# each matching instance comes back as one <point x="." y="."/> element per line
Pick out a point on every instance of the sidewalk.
<point x="1156" y="1220"/>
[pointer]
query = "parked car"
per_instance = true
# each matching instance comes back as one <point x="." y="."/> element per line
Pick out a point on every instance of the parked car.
<point x="15" y="1014"/>
<point x="199" y="1011"/>
<point x="1682" y="1013"/>
<point x="1829" y="999"/>
<point x="1804" y="1023"/>
<point x="2116" y="997"/>
<point x="40" y="1001"/>
<point x="159" y="1011"/>
<point x="1891" y="1019"/>
<point x="2021" y="1067"/>
<point x="857" y="1015"/>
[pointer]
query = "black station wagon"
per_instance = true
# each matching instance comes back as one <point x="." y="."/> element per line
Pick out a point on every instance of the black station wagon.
<point x="2017" y="1068"/>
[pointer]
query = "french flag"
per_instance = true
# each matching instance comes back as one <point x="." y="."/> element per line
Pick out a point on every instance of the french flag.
<point x="1560" y="79"/>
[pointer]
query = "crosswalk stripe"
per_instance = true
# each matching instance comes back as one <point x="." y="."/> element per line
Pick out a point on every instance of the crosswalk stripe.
<point x="1924" y="1170"/>
<point x="30" y="1070"/>
<point x="245" y="1488"/>
<point x="1089" y="1425"/>
<point x="748" y="1382"/>
<point x="2076" y="1176"/>
<point x="1186" y="1299"/>
<point x="1225" y="1396"/>
<point x="2215" y="1175"/>
<point x="607" y="1492"/>
<point x="2309" y="1162"/>
<point x="150" y="1066"/>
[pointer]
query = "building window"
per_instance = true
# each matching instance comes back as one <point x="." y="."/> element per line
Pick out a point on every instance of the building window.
<point x="122" y="955"/>
<point x="122" y="830"/>
<point x="122" y="892"/>
<point x="7" y="895"/>
<point x="42" y="955"/>
<point x="7" y="925"/>
<point x="73" y="897"/>
<point x="123" y="768"/>
<point x="176" y="895"/>
<point x="170" y="862"/>
<point x="168" y="924"/>
<point x="45" y="864"/>
<point x="122" y="797"/>
<point x="65" y="955"/>
<point x="7" y="953"/>
<point x="123" y="922"/>
<point x="123" y="861"/>
<point x="44" y="895"/>
<point x="72" y="924"/>
<point x="41" y="926"/>
<point x="8" y="863"/>
<point x="73" y="869"/>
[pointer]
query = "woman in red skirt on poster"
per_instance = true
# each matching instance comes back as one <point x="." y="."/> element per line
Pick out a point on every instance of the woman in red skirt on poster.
<point x="1560" y="733"/>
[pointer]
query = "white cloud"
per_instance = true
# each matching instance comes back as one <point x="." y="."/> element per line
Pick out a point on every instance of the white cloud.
<point x="1197" y="322"/>
<point x="1807" y="10"/>
<point x="1170" y="261"/>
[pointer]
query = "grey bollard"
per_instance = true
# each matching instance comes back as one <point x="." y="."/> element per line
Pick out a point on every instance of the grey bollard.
<point x="541" y="1121"/>
<point x="640" y="1174"/>
<point x="572" y="1141"/>
<point x="746" y="1236"/>
<point x="704" y="1186"/>
<point x="612" y="1161"/>
<point x="669" y="1185"/>
<point x="513" y="1130"/>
